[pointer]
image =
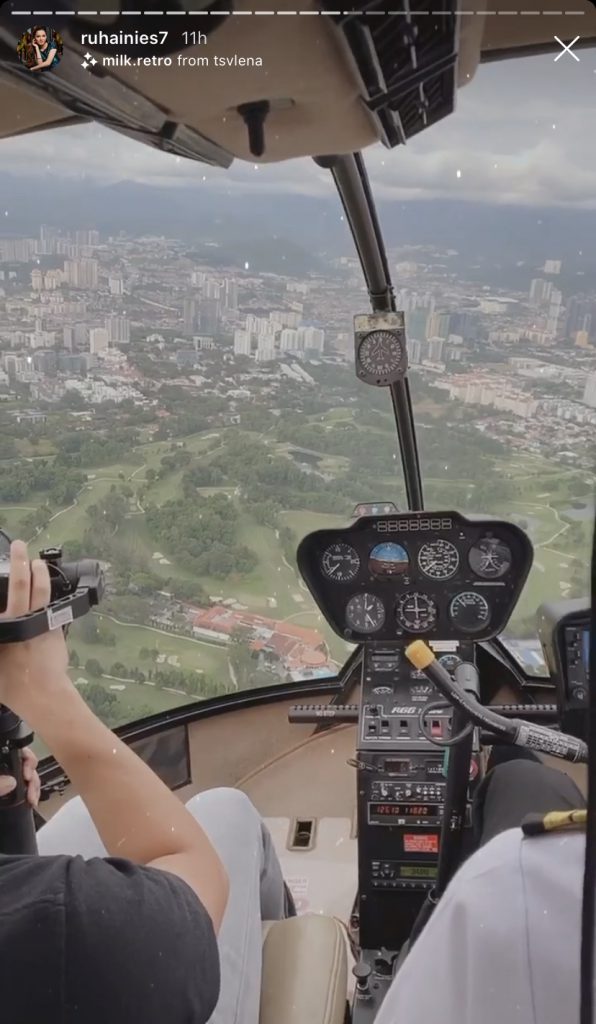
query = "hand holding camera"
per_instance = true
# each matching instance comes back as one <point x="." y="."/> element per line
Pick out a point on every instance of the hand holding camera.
<point x="40" y="663"/>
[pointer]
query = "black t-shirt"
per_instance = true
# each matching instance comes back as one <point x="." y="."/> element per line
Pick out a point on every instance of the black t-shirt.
<point x="103" y="941"/>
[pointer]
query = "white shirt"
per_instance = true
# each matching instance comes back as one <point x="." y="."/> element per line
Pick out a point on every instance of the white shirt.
<point x="503" y="945"/>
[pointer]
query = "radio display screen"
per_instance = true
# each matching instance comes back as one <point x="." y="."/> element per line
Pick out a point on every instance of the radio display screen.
<point x="394" y="767"/>
<point x="417" y="871"/>
<point x="405" y="810"/>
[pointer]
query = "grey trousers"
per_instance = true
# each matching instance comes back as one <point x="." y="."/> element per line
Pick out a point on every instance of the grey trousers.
<point x="256" y="885"/>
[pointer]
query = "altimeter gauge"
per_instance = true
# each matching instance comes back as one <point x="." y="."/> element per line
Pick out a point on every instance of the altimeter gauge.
<point x="340" y="562"/>
<point x="381" y="354"/>
<point x="365" y="613"/>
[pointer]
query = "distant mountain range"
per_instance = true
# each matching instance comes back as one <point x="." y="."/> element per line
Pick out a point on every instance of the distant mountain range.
<point x="502" y="246"/>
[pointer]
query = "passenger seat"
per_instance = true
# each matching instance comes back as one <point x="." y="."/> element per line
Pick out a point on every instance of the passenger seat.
<point x="305" y="971"/>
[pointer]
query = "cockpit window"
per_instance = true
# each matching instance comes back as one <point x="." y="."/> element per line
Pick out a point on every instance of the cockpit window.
<point x="177" y="386"/>
<point x="487" y="223"/>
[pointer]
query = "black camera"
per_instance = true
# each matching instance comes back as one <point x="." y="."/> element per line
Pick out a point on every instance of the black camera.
<point x="75" y="588"/>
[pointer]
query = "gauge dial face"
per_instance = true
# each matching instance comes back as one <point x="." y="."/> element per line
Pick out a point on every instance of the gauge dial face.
<point x="490" y="558"/>
<point x="388" y="559"/>
<point x="416" y="612"/>
<point x="450" y="662"/>
<point x="340" y="563"/>
<point x="469" y="612"/>
<point x="365" y="613"/>
<point x="439" y="559"/>
<point x="381" y="353"/>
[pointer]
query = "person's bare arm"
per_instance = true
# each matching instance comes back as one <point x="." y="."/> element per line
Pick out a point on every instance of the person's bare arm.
<point x="135" y="813"/>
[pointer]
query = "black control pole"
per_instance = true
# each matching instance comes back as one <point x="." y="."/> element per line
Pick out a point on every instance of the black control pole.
<point x="456" y="799"/>
<point x="17" y="826"/>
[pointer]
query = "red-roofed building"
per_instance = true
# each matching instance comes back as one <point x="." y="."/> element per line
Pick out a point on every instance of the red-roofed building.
<point x="286" y="648"/>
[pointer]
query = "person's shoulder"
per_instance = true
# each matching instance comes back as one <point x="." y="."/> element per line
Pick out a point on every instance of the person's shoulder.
<point x="499" y="855"/>
<point x="150" y="935"/>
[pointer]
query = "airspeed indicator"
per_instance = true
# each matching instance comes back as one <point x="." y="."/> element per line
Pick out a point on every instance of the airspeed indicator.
<point x="340" y="562"/>
<point x="438" y="559"/>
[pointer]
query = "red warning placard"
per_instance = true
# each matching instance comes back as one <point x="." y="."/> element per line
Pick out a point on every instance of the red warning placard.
<point x="421" y="844"/>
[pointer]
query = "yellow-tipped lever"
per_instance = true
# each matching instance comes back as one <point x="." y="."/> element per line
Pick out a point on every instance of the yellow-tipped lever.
<point x="419" y="654"/>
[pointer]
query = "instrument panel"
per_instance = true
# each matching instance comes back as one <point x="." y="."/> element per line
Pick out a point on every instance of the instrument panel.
<point x="417" y="574"/>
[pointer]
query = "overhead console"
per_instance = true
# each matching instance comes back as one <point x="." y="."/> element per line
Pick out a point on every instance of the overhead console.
<point x="415" y="574"/>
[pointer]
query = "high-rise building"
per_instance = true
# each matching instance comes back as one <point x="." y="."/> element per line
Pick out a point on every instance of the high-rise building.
<point x="265" y="348"/>
<point x="438" y="325"/>
<point x="231" y="294"/>
<point x="590" y="391"/>
<point x="118" y="328"/>
<point x="198" y="278"/>
<point x="98" y="340"/>
<point x="211" y="289"/>
<point x="581" y="316"/>
<point x="81" y="335"/>
<point x="210" y="316"/>
<point x="52" y="280"/>
<point x="17" y="250"/>
<point x="242" y="343"/>
<point x="313" y="338"/>
<point x="190" y="316"/>
<point x="540" y="291"/>
<point x="68" y="338"/>
<point x="36" y="280"/>
<point x="434" y="349"/>
<point x="552" y="267"/>
<point x="288" y="340"/>
<point x="417" y="323"/>
<point x="554" y="312"/>
<point x="116" y="285"/>
<point x="81" y="273"/>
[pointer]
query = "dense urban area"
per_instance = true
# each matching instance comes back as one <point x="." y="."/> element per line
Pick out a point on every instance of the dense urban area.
<point x="187" y="422"/>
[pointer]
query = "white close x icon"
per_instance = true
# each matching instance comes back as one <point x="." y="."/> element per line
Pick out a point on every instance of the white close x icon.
<point x="566" y="49"/>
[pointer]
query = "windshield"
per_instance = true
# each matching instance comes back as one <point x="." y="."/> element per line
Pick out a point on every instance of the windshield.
<point x="490" y="224"/>
<point x="178" y="398"/>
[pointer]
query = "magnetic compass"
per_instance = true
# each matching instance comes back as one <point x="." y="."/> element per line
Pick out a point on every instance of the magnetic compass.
<point x="381" y="355"/>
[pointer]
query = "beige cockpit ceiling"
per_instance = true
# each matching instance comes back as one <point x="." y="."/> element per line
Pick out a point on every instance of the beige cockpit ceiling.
<point x="308" y="73"/>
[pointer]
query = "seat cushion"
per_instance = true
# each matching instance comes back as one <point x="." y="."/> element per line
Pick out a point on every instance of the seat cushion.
<point x="305" y="971"/>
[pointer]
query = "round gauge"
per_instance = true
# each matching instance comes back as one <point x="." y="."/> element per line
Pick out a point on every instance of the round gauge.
<point x="469" y="612"/>
<point x="381" y="353"/>
<point x="388" y="559"/>
<point x="365" y="613"/>
<point x="450" y="662"/>
<point x="340" y="562"/>
<point x="490" y="558"/>
<point x="416" y="613"/>
<point x="439" y="559"/>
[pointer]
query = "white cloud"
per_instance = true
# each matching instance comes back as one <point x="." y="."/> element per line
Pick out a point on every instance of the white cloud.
<point x="521" y="133"/>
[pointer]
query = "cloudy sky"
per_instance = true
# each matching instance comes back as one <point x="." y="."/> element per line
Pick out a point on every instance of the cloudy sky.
<point x="523" y="132"/>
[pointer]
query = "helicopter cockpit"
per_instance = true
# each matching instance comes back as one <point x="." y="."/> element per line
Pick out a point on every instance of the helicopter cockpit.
<point x="365" y="756"/>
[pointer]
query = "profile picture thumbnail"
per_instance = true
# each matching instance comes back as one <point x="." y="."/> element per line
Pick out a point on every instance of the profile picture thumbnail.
<point x="40" y="48"/>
